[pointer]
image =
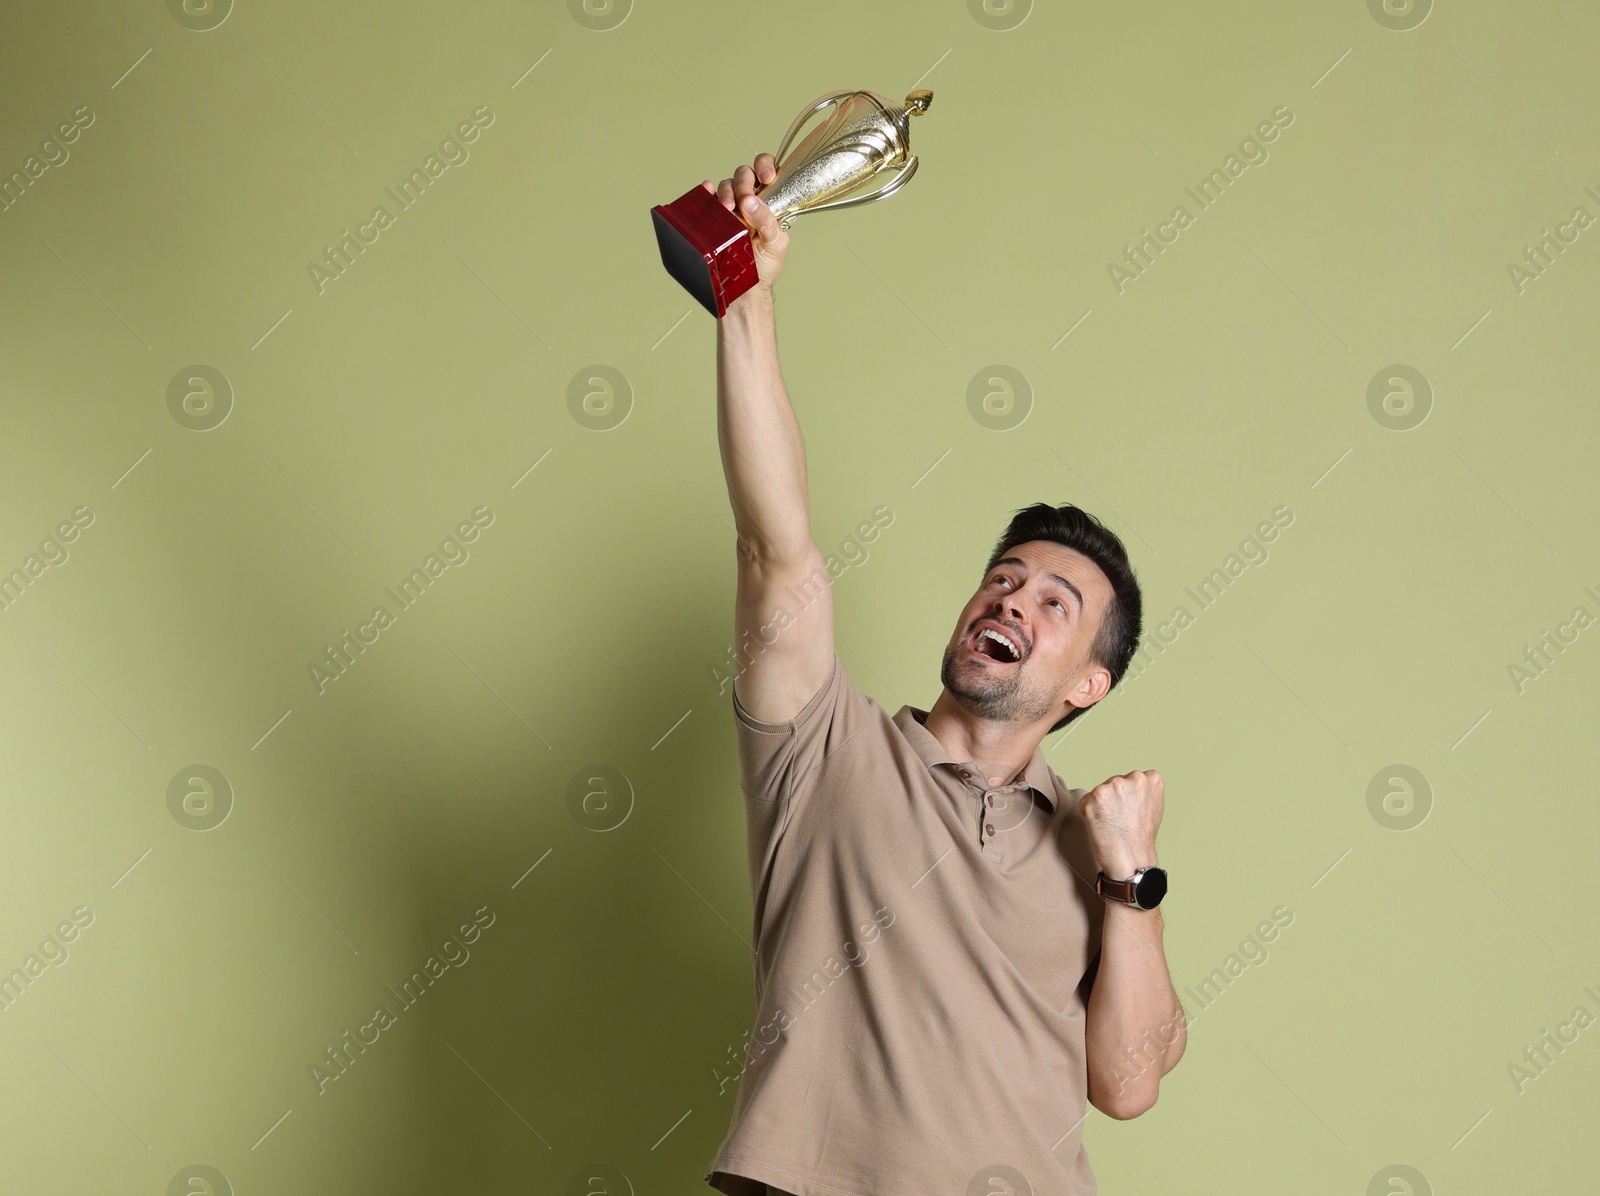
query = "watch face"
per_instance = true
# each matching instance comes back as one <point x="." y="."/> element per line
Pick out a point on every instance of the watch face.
<point x="1152" y="888"/>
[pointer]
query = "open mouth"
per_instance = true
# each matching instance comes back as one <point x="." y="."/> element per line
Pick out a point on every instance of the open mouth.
<point x="995" y="645"/>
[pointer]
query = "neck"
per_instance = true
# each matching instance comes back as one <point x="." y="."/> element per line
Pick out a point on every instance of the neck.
<point x="1001" y="750"/>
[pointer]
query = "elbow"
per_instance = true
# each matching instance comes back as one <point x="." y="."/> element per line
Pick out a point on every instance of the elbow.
<point x="1136" y="1095"/>
<point x="1126" y="1096"/>
<point x="1125" y="1106"/>
<point x="1128" y="1087"/>
<point x="1126" y="1092"/>
<point x="773" y="554"/>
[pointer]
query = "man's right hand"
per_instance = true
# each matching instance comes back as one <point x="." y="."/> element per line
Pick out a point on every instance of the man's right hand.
<point x="738" y="195"/>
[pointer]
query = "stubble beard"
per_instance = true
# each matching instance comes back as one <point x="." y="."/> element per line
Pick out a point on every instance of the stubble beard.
<point x="995" y="699"/>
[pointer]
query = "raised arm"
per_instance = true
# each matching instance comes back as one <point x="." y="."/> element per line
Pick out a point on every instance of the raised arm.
<point x="783" y="611"/>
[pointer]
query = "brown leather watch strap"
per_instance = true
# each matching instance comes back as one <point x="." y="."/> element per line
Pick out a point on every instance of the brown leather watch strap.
<point x="1117" y="890"/>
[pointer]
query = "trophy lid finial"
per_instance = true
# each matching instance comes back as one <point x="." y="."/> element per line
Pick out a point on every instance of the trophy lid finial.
<point x="918" y="101"/>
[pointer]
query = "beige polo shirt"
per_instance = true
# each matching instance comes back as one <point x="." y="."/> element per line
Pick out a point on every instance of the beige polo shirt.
<point x="922" y="942"/>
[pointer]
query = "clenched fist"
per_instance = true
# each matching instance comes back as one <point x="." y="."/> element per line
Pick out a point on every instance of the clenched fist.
<point x="1122" y="815"/>
<point x="738" y="195"/>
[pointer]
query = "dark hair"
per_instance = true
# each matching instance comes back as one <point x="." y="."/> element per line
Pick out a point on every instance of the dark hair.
<point x="1071" y="527"/>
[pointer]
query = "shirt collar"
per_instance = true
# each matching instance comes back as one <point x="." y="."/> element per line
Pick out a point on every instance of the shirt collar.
<point x="927" y="746"/>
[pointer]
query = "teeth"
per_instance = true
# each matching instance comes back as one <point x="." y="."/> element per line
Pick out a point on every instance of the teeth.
<point x="1000" y="639"/>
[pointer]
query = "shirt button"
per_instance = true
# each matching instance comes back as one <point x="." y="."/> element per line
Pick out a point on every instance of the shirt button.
<point x="988" y="799"/>
<point x="988" y="829"/>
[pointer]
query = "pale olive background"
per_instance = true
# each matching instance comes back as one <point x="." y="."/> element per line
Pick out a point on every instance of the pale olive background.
<point x="589" y="1026"/>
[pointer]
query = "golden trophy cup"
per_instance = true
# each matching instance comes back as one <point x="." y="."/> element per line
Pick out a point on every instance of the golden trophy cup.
<point x="861" y="136"/>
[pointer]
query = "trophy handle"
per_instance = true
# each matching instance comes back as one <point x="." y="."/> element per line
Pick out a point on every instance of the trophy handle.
<point x="833" y="97"/>
<point x="899" y="180"/>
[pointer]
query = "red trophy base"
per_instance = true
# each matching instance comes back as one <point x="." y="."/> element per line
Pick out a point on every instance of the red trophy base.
<point x="706" y="248"/>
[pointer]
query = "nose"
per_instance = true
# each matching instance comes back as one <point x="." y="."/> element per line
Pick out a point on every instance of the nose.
<point x="1008" y="606"/>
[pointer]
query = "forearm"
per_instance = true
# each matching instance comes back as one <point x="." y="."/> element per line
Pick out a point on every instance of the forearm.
<point x="763" y="456"/>
<point x="1135" y="1029"/>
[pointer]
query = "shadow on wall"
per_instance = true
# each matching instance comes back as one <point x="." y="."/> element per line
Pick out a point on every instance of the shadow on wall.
<point x="540" y="1003"/>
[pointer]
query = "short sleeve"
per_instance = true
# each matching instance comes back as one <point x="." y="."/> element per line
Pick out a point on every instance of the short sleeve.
<point x="778" y="760"/>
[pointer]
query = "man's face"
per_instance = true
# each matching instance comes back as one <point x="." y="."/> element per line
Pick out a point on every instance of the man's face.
<point x="1048" y="601"/>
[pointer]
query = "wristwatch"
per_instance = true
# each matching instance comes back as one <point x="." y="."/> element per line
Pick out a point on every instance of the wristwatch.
<point x="1143" y="890"/>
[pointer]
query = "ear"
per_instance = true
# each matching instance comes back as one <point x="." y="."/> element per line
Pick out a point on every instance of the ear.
<point x="1090" y="689"/>
<point x="1099" y="682"/>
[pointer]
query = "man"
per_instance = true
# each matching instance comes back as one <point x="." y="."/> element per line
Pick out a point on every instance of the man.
<point x="950" y="961"/>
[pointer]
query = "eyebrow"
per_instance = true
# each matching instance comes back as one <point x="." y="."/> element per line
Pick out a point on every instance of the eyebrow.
<point x="1055" y="577"/>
